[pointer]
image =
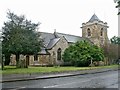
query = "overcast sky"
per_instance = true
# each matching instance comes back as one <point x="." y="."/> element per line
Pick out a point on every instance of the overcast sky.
<point x="66" y="16"/>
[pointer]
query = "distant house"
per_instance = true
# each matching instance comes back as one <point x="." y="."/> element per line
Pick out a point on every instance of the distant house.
<point x="94" y="31"/>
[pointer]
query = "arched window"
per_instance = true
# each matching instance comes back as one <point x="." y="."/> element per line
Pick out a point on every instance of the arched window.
<point x="101" y="32"/>
<point x="59" y="54"/>
<point x="89" y="32"/>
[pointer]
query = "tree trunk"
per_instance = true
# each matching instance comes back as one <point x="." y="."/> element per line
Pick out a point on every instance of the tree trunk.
<point x="27" y="61"/>
<point x="2" y="63"/>
<point x="17" y="60"/>
<point x="119" y="54"/>
<point x="7" y="59"/>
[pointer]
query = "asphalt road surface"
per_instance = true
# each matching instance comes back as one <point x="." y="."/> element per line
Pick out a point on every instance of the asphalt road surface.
<point x="99" y="80"/>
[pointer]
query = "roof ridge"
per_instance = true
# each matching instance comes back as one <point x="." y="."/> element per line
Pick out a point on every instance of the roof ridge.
<point x="61" y="33"/>
<point x="45" y="32"/>
<point x="55" y="38"/>
<point x="68" y="34"/>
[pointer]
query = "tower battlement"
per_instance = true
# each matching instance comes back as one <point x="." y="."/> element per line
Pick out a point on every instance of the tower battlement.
<point x="95" y="30"/>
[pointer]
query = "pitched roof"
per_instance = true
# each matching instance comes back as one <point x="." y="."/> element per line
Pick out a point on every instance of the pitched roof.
<point x="52" y="42"/>
<point x="46" y="37"/>
<point x="70" y="38"/>
<point x="94" y="18"/>
<point x="43" y="52"/>
<point x="50" y="39"/>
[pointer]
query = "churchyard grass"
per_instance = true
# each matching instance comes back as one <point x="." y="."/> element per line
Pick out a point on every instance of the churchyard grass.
<point x="14" y="70"/>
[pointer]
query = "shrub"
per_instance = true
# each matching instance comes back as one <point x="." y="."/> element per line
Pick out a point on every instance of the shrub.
<point x="81" y="54"/>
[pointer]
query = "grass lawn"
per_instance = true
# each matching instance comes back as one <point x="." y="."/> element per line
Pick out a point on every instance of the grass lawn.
<point x="14" y="70"/>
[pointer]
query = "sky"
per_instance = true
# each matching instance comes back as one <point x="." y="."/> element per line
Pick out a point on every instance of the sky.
<point x="66" y="16"/>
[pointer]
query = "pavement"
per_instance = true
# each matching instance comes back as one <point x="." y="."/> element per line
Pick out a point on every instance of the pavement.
<point x="36" y="76"/>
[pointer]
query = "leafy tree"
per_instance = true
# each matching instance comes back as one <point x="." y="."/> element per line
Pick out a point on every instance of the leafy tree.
<point x="118" y="5"/>
<point x="20" y="37"/>
<point x="1" y="64"/>
<point x="81" y="54"/>
<point x="97" y="53"/>
<point x="0" y="51"/>
<point x="115" y="44"/>
<point x="115" y="40"/>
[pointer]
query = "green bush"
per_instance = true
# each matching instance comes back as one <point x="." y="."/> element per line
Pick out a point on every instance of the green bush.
<point x="81" y="54"/>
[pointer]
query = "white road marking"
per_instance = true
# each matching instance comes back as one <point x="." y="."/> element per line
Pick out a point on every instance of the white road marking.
<point x="17" y="88"/>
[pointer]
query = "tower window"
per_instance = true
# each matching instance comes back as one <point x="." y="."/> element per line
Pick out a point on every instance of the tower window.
<point x="89" y="32"/>
<point x="101" y="32"/>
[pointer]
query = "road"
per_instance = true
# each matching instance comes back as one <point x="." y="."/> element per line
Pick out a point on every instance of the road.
<point x="99" y="80"/>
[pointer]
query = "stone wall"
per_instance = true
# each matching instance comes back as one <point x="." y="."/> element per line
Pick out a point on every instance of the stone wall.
<point x="95" y="29"/>
<point x="63" y="44"/>
<point x="12" y="60"/>
<point x="31" y="59"/>
<point x="42" y="59"/>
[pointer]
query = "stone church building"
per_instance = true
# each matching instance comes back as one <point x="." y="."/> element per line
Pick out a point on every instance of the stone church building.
<point x="94" y="31"/>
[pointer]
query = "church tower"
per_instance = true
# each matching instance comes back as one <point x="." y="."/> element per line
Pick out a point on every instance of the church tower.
<point x="95" y="30"/>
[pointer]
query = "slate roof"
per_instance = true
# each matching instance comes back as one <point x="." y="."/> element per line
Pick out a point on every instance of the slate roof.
<point x="43" y="52"/>
<point x="52" y="42"/>
<point x="94" y="18"/>
<point x="46" y="37"/>
<point x="50" y="39"/>
<point x="70" y="38"/>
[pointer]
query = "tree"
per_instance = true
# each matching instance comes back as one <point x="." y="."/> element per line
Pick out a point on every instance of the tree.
<point x="115" y="43"/>
<point x="1" y="60"/>
<point x="81" y="53"/>
<point x="118" y="2"/>
<point x="97" y="53"/>
<point x="115" y="40"/>
<point x="20" y="36"/>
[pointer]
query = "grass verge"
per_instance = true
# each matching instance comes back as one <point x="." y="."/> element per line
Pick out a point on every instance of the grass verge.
<point x="14" y="70"/>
